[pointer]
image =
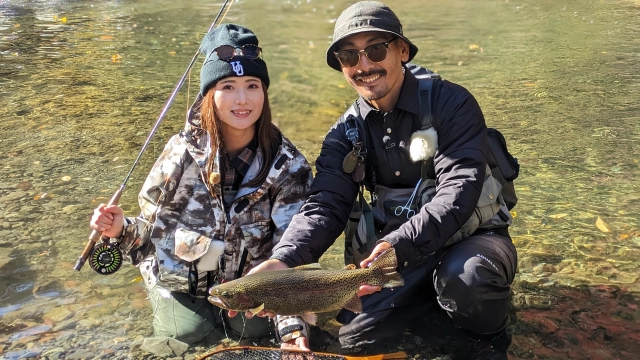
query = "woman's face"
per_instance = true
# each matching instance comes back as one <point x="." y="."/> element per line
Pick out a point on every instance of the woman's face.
<point x="238" y="102"/>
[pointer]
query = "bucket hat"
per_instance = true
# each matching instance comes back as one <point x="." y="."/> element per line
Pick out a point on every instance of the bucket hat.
<point x="365" y="16"/>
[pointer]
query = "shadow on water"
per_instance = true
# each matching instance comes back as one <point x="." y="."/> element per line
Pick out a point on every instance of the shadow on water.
<point x="82" y="82"/>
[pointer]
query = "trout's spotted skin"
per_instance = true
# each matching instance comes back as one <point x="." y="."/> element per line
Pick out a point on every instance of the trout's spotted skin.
<point x="305" y="289"/>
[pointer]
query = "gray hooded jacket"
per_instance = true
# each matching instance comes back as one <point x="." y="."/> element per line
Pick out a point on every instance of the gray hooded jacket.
<point x="183" y="223"/>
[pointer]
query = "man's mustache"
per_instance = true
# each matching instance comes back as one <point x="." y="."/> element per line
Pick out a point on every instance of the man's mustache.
<point x="369" y="73"/>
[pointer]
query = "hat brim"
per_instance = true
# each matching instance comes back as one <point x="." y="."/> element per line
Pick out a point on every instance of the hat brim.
<point x="333" y="62"/>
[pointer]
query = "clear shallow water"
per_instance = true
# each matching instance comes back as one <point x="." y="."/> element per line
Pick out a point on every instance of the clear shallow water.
<point x="81" y="84"/>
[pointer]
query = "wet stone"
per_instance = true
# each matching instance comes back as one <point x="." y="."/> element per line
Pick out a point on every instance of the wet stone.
<point x="81" y="354"/>
<point x="70" y="209"/>
<point x="164" y="347"/>
<point x="65" y="325"/>
<point x="58" y="314"/>
<point x="54" y="353"/>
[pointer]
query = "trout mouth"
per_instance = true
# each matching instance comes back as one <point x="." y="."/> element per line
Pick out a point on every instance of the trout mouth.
<point x="219" y="302"/>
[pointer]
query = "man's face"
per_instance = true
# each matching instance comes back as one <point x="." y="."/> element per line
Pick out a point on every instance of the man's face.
<point x="374" y="81"/>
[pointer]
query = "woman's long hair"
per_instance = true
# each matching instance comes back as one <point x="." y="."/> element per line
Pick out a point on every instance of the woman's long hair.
<point x="267" y="135"/>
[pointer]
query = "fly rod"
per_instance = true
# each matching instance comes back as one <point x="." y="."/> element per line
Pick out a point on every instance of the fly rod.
<point x="106" y="260"/>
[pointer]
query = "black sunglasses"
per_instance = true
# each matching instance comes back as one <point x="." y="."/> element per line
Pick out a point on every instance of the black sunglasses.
<point x="228" y="52"/>
<point x="375" y="53"/>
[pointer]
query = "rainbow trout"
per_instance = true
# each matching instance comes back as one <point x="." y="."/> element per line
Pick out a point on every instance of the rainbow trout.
<point x="305" y="289"/>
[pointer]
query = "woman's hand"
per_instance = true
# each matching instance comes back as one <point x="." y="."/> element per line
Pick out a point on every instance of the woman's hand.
<point x="264" y="266"/>
<point x="109" y="220"/>
<point x="300" y="343"/>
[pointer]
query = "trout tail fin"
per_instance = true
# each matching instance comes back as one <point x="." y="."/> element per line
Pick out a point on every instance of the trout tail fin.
<point x="384" y="267"/>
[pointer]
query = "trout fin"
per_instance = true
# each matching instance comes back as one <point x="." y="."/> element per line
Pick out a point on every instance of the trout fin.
<point x="386" y="264"/>
<point x="354" y="304"/>
<point x="257" y="309"/>
<point x="314" y="266"/>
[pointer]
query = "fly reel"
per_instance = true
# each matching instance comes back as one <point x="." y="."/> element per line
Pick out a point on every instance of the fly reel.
<point x="105" y="258"/>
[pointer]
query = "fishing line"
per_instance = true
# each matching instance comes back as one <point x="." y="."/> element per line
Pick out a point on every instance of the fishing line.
<point x="97" y="235"/>
<point x="224" y="323"/>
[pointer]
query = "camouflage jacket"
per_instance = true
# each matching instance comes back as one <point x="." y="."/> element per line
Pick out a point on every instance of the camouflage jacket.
<point x="181" y="220"/>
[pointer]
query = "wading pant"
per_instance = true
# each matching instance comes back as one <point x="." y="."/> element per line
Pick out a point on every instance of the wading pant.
<point x="469" y="280"/>
<point x="178" y="316"/>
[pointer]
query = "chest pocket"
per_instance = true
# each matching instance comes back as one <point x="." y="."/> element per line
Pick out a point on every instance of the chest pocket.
<point x="197" y="204"/>
<point x="489" y="204"/>
<point x="392" y="208"/>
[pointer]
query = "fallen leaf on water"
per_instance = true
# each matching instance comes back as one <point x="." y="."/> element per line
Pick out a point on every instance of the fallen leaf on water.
<point x="474" y="47"/>
<point x="66" y="178"/>
<point x="602" y="226"/>
<point x="106" y="37"/>
<point x="557" y="216"/>
<point x="38" y="197"/>
<point x="624" y="236"/>
<point x="172" y="52"/>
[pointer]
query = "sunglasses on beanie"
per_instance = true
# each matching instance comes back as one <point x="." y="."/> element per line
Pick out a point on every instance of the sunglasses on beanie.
<point x="228" y="52"/>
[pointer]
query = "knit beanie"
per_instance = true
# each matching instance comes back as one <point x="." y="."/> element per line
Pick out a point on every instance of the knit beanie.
<point x="215" y="69"/>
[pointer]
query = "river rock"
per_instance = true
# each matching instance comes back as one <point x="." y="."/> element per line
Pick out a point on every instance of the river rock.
<point x="58" y="314"/>
<point x="164" y="346"/>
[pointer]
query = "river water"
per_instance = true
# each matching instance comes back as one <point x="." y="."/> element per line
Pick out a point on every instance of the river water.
<point x="82" y="82"/>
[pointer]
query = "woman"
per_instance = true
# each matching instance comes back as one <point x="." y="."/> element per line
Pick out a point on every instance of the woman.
<point x="219" y="196"/>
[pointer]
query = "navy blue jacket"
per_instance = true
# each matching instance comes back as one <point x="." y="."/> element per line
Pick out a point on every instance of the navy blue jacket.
<point x="459" y="166"/>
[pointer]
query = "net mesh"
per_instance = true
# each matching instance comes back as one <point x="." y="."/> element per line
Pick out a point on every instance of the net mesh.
<point x="266" y="354"/>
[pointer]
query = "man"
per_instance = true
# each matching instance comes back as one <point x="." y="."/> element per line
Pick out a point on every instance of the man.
<point x="471" y="278"/>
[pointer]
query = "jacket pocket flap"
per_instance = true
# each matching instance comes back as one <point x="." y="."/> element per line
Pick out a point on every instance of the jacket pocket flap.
<point x="490" y="190"/>
<point x="190" y="245"/>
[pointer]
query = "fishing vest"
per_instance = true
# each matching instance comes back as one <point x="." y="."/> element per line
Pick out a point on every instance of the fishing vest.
<point x="369" y="222"/>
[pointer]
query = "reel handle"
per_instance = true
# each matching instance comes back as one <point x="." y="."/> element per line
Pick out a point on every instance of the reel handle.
<point x="96" y="235"/>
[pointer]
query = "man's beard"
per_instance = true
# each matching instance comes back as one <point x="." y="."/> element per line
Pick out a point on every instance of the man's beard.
<point x="380" y="93"/>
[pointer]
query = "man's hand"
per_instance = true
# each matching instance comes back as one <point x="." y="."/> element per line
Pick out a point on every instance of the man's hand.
<point x="379" y="249"/>
<point x="265" y="266"/>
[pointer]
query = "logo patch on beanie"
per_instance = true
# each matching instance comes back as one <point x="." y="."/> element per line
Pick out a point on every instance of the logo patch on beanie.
<point x="237" y="67"/>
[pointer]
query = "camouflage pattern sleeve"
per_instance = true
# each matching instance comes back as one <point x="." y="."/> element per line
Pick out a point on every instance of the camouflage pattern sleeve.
<point x="289" y="193"/>
<point x="154" y="197"/>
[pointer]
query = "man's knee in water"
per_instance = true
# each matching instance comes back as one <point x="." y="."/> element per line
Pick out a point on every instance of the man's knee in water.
<point x="474" y="292"/>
